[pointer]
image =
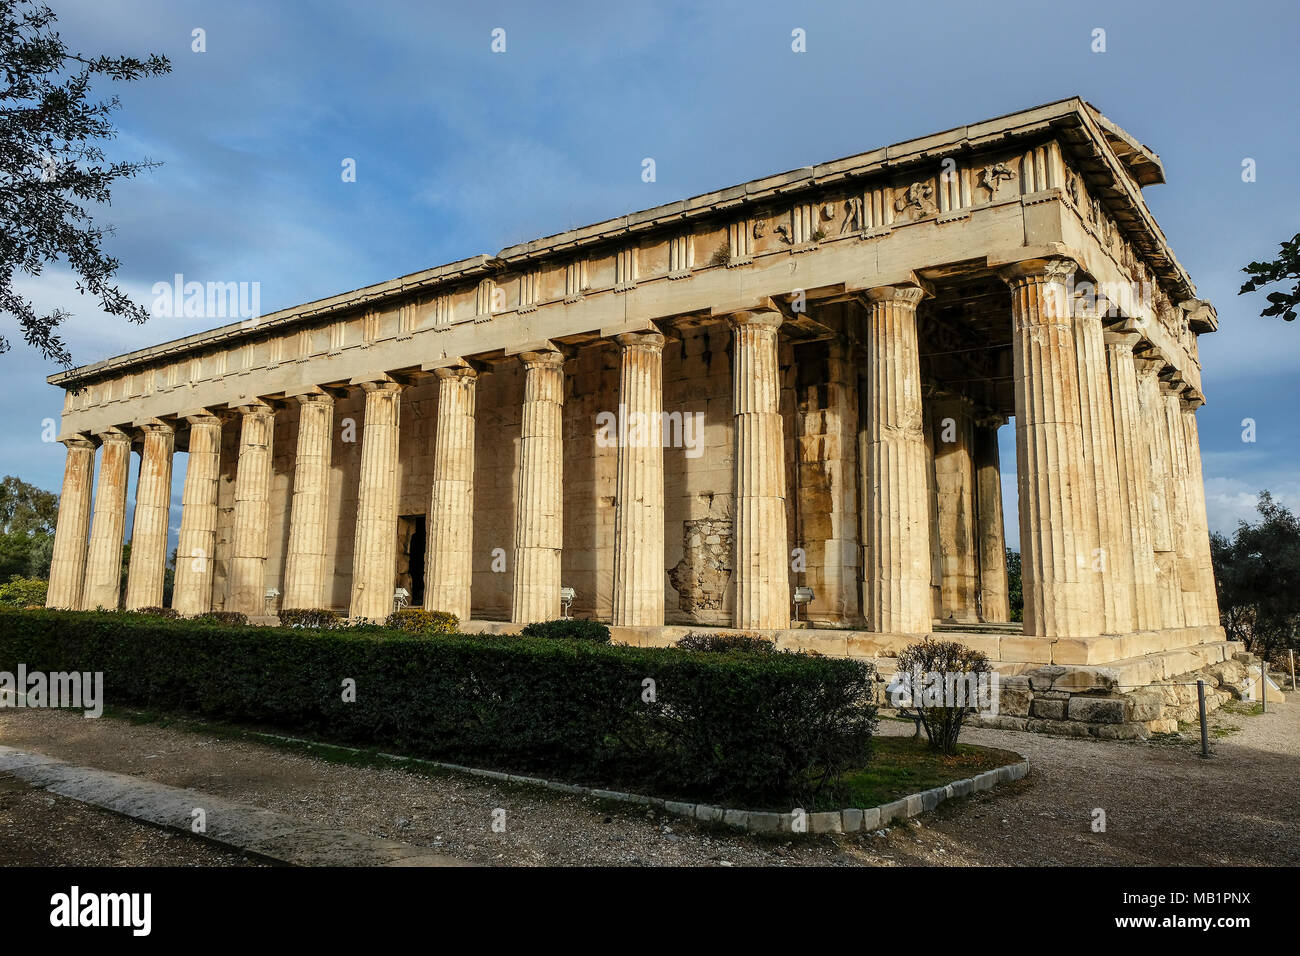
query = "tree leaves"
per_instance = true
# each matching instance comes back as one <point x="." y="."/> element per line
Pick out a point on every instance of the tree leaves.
<point x="1285" y="266"/>
<point x="52" y="167"/>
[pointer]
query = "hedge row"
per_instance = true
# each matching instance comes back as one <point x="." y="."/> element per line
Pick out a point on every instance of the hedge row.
<point x="759" y="729"/>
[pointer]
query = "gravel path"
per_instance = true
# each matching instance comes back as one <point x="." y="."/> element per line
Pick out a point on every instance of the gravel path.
<point x="39" y="829"/>
<point x="1163" y="804"/>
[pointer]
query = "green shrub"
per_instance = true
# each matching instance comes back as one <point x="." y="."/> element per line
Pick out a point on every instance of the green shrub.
<point x="23" y="592"/>
<point x="157" y="611"/>
<point x="317" y="617"/>
<point x="958" y="665"/>
<point x="226" y="618"/>
<point x="756" y="730"/>
<point x="569" y="628"/>
<point x="721" y="643"/>
<point x="414" y="620"/>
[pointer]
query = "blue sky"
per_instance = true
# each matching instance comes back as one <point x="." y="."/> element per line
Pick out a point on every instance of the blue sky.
<point x="461" y="151"/>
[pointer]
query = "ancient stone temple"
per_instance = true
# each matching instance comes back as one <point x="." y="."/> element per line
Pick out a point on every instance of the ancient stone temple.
<point x="686" y="413"/>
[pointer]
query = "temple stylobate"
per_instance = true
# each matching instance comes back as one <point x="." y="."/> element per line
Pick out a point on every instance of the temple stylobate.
<point x="687" y="413"/>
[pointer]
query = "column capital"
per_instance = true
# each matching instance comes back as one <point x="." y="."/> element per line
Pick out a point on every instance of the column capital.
<point x="77" y="441"/>
<point x="542" y="359"/>
<point x="1123" y="338"/>
<point x="461" y="372"/>
<point x="762" y="318"/>
<point x="383" y="386"/>
<point x="647" y="341"/>
<point x="900" y="294"/>
<point x="1050" y="269"/>
<point x="317" y="396"/>
<point x="114" y="434"/>
<point x="154" y="425"/>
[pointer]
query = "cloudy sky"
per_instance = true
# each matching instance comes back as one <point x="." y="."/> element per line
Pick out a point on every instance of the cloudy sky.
<point x="461" y="151"/>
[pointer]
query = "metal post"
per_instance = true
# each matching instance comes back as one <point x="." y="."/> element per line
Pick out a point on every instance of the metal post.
<point x="1205" y="733"/>
<point x="1263" y="687"/>
<point x="1292" y="653"/>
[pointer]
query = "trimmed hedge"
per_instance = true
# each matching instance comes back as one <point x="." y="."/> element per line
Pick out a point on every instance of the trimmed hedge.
<point x="759" y="729"/>
<point x="415" y="620"/>
<point x="317" y="617"/>
<point x="722" y="643"/>
<point x="569" y="629"/>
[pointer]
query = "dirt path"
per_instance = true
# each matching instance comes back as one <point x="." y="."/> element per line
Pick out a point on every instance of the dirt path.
<point x="1163" y="804"/>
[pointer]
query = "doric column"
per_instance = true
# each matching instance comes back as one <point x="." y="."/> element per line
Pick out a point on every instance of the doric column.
<point x="1200" y="530"/>
<point x="304" y="565"/>
<point x="539" y="509"/>
<point x="995" y="602"/>
<point x="761" y="567"/>
<point x="1110" y="560"/>
<point x="374" y="556"/>
<point x="197" y="544"/>
<point x="1133" y="466"/>
<point x="1159" y="477"/>
<point x="897" y="584"/>
<point x="449" y="571"/>
<point x="248" y="546"/>
<point x="104" y="557"/>
<point x="954" y="476"/>
<point x="68" y="563"/>
<point x="1055" y="485"/>
<point x="639" y="501"/>
<point x="1180" y="496"/>
<point x="153" y="498"/>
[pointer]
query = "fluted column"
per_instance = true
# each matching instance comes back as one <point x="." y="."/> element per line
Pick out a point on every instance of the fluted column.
<point x="248" y="548"/>
<point x="68" y="563"/>
<point x="1055" y="486"/>
<point x="539" y="509"/>
<point x="761" y="568"/>
<point x="103" y="585"/>
<point x="898" y="512"/>
<point x="954" y="476"/>
<point x="304" y="567"/>
<point x="995" y="602"/>
<point x="197" y="544"/>
<point x="1159" y="478"/>
<point x="1188" y="555"/>
<point x="1200" y="531"/>
<point x="153" y="497"/>
<point x="639" y="502"/>
<point x="449" y="571"/>
<point x="1110" y="560"/>
<point x="1133" y="466"/>
<point x="374" y="556"/>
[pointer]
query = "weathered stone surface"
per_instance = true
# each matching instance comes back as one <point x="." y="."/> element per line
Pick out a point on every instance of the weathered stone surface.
<point x="1097" y="710"/>
<point x="1014" y="696"/>
<point x="1049" y="709"/>
<point x="1144" y="704"/>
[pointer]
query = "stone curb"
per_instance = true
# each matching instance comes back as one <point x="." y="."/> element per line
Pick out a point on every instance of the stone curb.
<point x="849" y="820"/>
<point x="264" y="833"/>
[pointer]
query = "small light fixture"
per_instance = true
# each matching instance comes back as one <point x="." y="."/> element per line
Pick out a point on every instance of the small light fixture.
<point x="567" y="596"/>
<point x="401" y="597"/>
<point x="271" y="595"/>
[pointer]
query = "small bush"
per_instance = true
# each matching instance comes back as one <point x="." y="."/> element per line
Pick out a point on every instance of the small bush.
<point x="23" y="592"/>
<point x="959" y="668"/>
<point x="317" y="617"/>
<point x="226" y="618"/>
<point x="156" y="611"/>
<point x="723" y="643"/>
<point x="569" y="629"/>
<point x="422" y="623"/>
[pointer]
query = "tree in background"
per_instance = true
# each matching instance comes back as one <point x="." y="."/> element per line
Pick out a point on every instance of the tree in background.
<point x="1286" y="267"/>
<point x="1015" y="593"/>
<point x="27" y="519"/>
<point x="1257" y="574"/>
<point x="52" y="167"/>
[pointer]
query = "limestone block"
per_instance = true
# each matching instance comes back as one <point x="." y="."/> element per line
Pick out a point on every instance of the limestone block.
<point x="1097" y="710"/>
<point x="1144" y="704"/>
<point x="1014" y="696"/>
<point x="1049" y="709"/>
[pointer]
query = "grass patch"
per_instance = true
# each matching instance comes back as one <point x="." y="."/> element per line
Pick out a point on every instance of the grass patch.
<point x="901" y="766"/>
<point x="1243" y="708"/>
